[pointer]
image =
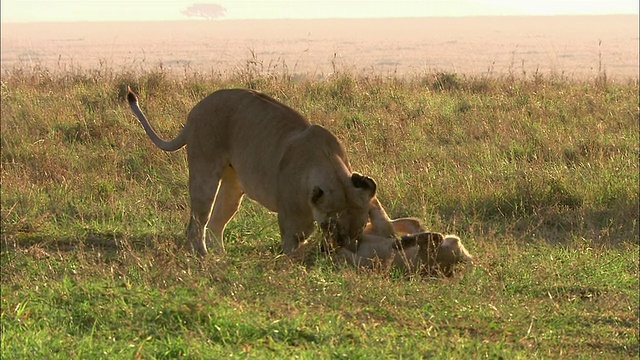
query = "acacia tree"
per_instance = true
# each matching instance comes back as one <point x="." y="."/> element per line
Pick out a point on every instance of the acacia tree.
<point x="208" y="11"/>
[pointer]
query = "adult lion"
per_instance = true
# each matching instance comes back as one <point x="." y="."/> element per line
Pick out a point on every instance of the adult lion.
<point x="244" y="142"/>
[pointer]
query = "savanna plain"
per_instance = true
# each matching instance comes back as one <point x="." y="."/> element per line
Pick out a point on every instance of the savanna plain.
<point x="537" y="172"/>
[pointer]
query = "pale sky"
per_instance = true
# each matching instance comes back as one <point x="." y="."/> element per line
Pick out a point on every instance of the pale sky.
<point x="159" y="10"/>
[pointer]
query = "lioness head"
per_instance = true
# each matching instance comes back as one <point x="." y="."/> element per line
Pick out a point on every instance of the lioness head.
<point x="343" y="213"/>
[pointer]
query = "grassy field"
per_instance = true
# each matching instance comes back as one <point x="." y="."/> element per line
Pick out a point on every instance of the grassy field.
<point x="537" y="174"/>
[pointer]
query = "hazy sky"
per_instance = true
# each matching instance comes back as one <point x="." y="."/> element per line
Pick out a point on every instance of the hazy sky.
<point x="144" y="10"/>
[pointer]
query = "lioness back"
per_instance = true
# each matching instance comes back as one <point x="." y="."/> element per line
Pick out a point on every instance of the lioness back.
<point x="250" y="131"/>
<point x="257" y="111"/>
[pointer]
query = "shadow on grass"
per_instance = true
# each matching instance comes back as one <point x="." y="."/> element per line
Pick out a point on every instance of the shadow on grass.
<point x="103" y="242"/>
<point x="114" y="244"/>
<point x="554" y="219"/>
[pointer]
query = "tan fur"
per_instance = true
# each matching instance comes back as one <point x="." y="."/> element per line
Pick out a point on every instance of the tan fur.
<point x="381" y="225"/>
<point x="451" y="252"/>
<point x="244" y="142"/>
<point x="417" y="251"/>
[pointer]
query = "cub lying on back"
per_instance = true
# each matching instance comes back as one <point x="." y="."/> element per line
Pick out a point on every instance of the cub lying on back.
<point x="417" y="251"/>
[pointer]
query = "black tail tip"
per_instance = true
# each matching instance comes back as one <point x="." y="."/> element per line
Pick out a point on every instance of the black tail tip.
<point x="131" y="97"/>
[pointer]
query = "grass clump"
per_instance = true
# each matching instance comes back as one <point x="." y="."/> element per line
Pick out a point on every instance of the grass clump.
<point x="539" y="176"/>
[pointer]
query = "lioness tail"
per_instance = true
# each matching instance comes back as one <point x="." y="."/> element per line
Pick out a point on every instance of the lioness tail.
<point x="171" y="145"/>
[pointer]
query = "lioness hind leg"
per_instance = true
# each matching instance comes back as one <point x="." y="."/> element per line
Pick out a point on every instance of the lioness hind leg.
<point x="203" y="186"/>
<point x="225" y="206"/>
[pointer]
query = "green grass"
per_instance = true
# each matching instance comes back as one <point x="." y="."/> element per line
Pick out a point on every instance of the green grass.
<point x="538" y="175"/>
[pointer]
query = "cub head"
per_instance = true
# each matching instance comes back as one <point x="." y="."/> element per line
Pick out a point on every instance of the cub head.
<point x="438" y="254"/>
<point x="451" y="252"/>
<point x="343" y="212"/>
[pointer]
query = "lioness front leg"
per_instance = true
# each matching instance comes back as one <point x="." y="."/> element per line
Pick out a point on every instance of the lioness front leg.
<point x="291" y="242"/>
<point x="293" y="232"/>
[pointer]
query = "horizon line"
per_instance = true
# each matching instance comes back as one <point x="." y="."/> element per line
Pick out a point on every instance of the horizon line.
<point x="307" y="19"/>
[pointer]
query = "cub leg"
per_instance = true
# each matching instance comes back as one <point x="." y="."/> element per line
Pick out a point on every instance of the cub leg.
<point x="225" y="206"/>
<point x="348" y="256"/>
<point x="352" y="258"/>
<point x="379" y="222"/>
<point x="407" y="225"/>
<point x="374" y="252"/>
<point x="203" y="186"/>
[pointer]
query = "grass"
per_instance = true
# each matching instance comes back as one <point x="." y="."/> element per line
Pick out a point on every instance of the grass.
<point x="538" y="175"/>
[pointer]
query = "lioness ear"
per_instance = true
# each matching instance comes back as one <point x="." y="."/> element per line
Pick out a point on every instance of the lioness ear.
<point x="316" y="193"/>
<point x="364" y="182"/>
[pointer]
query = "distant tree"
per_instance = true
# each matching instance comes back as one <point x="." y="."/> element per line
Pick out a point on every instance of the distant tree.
<point x="208" y="11"/>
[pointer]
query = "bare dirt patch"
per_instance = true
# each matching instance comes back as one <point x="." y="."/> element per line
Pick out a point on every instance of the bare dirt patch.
<point x="573" y="46"/>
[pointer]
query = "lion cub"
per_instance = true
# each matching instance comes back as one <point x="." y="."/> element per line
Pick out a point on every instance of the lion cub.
<point x="416" y="251"/>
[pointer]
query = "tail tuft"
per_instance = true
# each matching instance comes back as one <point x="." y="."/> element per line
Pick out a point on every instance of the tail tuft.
<point x="131" y="97"/>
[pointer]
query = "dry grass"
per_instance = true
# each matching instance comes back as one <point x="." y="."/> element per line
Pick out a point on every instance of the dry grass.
<point x="537" y="174"/>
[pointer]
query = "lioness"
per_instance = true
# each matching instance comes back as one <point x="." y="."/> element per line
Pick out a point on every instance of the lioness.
<point x="417" y="251"/>
<point x="244" y="142"/>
